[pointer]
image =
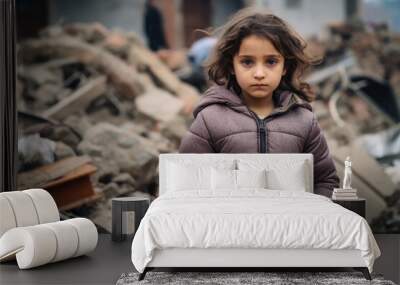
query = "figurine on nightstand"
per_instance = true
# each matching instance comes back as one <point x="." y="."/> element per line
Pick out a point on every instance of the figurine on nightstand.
<point x="347" y="174"/>
<point x="347" y="192"/>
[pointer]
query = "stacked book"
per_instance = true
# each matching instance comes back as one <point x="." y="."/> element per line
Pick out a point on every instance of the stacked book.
<point x="344" y="194"/>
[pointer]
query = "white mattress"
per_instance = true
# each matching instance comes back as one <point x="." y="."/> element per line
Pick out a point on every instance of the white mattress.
<point x="253" y="218"/>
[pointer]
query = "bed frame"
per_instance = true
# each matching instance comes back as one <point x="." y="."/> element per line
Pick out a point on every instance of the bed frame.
<point x="250" y="257"/>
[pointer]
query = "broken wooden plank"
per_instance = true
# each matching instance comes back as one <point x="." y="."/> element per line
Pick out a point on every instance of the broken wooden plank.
<point x="141" y="56"/>
<point x="89" y="32"/>
<point x="57" y="63"/>
<point x="327" y="72"/>
<point x="73" y="189"/>
<point x="38" y="177"/>
<point x="74" y="174"/>
<point x="164" y="77"/>
<point x="123" y="76"/>
<point x="78" y="100"/>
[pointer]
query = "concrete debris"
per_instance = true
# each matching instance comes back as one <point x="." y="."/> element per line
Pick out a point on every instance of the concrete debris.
<point x="394" y="173"/>
<point x="384" y="145"/>
<point x="190" y="98"/>
<point x="39" y="75"/>
<point x="159" y="105"/>
<point x="63" y="151"/>
<point x="61" y="132"/>
<point x="113" y="189"/>
<point x="46" y="95"/>
<point x="125" y="178"/>
<point x="174" y="129"/>
<point x="162" y="143"/>
<point x="130" y="152"/>
<point x="106" y="171"/>
<point x="79" y="122"/>
<point x="34" y="151"/>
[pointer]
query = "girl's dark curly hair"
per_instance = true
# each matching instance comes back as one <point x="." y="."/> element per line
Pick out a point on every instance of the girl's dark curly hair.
<point x="248" y="22"/>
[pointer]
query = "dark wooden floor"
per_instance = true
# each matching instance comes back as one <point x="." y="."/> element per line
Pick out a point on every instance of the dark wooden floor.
<point x="111" y="259"/>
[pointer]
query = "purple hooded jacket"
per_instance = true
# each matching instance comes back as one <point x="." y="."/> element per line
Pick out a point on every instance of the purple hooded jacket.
<point x="224" y="124"/>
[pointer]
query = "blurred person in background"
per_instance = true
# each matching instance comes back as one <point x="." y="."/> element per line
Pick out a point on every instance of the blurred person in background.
<point x="154" y="27"/>
<point x="197" y="55"/>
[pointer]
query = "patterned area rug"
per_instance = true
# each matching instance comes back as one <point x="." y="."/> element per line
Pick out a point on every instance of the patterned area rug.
<point x="230" y="278"/>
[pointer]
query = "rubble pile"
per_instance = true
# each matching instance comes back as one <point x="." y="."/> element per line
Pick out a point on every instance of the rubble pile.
<point x="361" y="63"/>
<point x="358" y="100"/>
<point x="87" y="91"/>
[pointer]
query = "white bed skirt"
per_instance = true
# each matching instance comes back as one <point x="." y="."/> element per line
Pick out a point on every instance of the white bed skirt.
<point x="235" y="257"/>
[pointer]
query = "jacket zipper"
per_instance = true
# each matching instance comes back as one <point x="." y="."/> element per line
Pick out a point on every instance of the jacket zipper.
<point x="262" y="132"/>
<point x="263" y="137"/>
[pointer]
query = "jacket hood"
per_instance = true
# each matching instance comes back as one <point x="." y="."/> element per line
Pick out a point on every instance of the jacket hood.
<point x="284" y="100"/>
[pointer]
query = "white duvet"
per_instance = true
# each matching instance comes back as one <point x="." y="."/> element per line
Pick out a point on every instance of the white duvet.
<point x="253" y="218"/>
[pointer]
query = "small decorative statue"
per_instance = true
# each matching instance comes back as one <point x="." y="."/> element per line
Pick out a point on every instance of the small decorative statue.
<point x="347" y="174"/>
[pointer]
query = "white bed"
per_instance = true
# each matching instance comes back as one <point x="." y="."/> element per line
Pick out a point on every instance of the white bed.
<point x="248" y="226"/>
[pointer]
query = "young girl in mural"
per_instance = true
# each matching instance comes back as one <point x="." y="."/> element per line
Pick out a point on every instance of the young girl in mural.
<point x="259" y="102"/>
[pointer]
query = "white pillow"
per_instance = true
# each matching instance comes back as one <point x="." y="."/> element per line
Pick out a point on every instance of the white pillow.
<point x="181" y="177"/>
<point x="186" y="174"/>
<point x="291" y="179"/>
<point x="223" y="179"/>
<point x="282" y="174"/>
<point x="227" y="179"/>
<point x="251" y="178"/>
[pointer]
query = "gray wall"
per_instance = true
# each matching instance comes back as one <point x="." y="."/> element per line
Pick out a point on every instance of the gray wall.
<point x="310" y="16"/>
<point x="123" y="14"/>
<point x="223" y="9"/>
<point x="382" y="11"/>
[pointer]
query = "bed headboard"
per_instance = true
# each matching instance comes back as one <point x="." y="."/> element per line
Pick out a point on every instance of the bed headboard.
<point x="211" y="158"/>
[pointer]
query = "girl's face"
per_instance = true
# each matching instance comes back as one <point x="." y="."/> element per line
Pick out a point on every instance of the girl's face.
<point x="258" y="67"/>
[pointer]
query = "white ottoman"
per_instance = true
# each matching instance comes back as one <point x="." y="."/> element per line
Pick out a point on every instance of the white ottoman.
<point x="40" y="244"/>
<point x="31" y="231"/>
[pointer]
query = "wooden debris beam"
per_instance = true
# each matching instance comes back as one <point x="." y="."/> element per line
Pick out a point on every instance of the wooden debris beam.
<point x="39" y="176"/>
<point x="124" y="77"/>
<point x="80" y="99"/>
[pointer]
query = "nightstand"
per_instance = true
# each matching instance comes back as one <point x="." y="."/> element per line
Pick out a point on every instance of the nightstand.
<point x="127" y="212"/>
<point x="356" y="205"/>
